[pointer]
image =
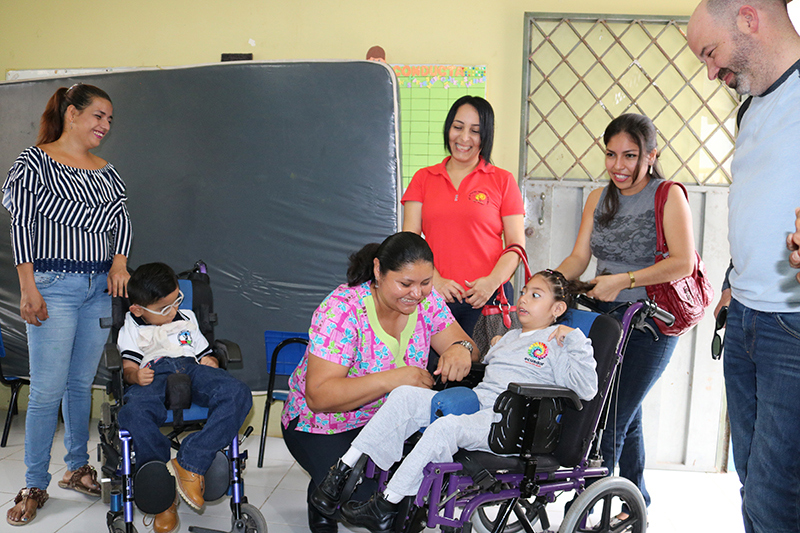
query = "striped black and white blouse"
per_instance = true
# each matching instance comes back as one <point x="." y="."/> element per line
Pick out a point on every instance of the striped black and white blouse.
<point x="65" y="218"/>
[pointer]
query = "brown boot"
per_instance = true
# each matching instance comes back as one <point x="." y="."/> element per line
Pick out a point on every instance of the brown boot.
<point x="191" y="486"/>
<point x="167" y="522"/>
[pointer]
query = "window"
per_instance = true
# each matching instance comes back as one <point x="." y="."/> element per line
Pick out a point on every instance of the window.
<point x="584" y="70"/>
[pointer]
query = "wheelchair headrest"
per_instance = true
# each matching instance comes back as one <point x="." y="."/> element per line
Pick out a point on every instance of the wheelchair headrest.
<point x="185" y="285"/>
<point x="579" y="319"/>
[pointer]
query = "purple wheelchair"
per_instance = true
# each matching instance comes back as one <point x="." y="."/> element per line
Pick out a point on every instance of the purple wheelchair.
<point x="550" y="444"/>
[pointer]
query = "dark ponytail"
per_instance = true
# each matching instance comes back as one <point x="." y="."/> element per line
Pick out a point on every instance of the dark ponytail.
<point x="79" y="95"/>
<point x="641" y="131"/>
<point x="564" y="289"/>
<point x="395" y="252"/>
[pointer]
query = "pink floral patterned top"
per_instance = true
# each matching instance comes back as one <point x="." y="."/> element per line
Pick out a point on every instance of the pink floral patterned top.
<point x="341" y="332"/>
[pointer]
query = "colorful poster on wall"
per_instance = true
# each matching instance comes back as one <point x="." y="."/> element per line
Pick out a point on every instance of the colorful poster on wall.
<point x="426" y="94"/>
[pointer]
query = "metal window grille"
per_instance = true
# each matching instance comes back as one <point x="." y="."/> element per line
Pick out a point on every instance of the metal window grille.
<point x="583" y="70"/>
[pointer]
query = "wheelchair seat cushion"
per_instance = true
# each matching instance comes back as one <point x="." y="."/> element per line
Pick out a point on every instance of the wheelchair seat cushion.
<point x="498" y="464"/>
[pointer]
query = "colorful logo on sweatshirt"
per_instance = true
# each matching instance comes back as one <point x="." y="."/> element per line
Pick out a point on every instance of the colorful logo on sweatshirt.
<point x="479" y="197"/>
<point x="538" y="350"/>
<point x="185" y="338"/>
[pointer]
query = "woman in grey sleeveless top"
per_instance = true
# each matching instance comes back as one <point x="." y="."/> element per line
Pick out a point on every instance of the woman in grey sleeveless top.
<point x="618" y="227"/>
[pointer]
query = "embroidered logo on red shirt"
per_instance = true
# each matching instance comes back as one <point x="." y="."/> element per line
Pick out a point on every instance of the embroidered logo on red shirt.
<point x="479" y="197"/>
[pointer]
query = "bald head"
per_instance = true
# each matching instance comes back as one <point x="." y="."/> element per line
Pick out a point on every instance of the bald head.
<point x="722" y="10"/>
<point x="745" y="44"/>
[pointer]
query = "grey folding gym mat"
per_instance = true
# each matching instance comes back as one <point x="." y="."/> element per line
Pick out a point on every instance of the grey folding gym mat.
<point x="271" y="173"/>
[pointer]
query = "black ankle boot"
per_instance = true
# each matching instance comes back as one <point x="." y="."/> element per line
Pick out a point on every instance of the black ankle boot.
<point x="376" y="514"/>
<point x="328" y="494"/>
<point x="319" y="523"/>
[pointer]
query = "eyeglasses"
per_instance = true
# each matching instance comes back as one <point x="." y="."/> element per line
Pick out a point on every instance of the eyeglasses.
<point x="169" y="308"/>
<point x="717" y="342"/>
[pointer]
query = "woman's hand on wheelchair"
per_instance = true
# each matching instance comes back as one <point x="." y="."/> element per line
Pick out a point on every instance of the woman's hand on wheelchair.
<point x="608" y="287"/>
<point x="209" y="360"/>
<point x="454" y="364"/>
<point x="118" y="277"/>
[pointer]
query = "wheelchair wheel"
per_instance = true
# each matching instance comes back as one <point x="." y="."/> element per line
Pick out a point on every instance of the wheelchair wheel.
<point x="483" y="519"/>
<point x="604" y="500"/>
<point x="254" y="521"/>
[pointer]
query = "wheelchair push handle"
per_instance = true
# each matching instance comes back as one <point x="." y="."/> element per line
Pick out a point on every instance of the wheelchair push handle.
<point x="653" y="310"/>
<point x="647" y="307"/>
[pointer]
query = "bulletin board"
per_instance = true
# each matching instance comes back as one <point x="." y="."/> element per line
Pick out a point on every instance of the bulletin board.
<point x="426" y="94"/>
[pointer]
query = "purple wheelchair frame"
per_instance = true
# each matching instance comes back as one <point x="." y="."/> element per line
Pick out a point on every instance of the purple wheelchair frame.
<point x="460" y="488"/>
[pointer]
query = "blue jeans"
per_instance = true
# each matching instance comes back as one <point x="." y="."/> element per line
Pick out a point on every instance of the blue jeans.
<point x="64" y="353"/>
<point x="228" y="401"/>
<point x="762" y="380"/>
<point x="623" y="440"/>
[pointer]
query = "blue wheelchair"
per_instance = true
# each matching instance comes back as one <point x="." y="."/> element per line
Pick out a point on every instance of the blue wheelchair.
<point x="548" y="443"/>
<point x="150" y="486"/>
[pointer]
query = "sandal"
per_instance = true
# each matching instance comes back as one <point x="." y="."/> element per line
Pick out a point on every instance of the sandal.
<point x="38" y="495"/>
<point x="75" y="481"/>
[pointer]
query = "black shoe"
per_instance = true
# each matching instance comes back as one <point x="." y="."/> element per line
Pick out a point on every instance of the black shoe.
<point x="318" y="523"/>
<point x="328" y="494"/>
<point x="376" y="514"/>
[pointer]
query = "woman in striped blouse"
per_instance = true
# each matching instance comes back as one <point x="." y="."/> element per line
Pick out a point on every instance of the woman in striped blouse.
<point x="71" y="234"/>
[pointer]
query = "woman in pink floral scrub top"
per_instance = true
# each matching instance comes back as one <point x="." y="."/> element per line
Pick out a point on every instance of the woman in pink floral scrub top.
<point x="368" y="337"/>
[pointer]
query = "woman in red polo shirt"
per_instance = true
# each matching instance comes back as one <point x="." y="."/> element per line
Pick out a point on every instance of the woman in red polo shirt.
<point x="469" y="211"/>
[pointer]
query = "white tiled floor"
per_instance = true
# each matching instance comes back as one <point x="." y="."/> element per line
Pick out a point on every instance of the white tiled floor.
<point x="682" y="501"/>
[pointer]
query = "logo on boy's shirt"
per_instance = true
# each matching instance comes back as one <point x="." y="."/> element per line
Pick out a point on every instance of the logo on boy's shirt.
<point x="537" y="352"/>
<point x="479" y="197"/>
<point x="185" y="338"/>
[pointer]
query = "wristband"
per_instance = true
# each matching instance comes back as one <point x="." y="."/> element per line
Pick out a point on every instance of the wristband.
<point x="633" y="279"/>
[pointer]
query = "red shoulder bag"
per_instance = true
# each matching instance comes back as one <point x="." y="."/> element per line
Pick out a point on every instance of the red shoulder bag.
<point x="686" y="298"/>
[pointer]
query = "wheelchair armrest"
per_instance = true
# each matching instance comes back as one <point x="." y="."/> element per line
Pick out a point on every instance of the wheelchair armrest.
<point x="112" y="359"/>
<point x="533" y="390"/>
<point x="227" y="352"/>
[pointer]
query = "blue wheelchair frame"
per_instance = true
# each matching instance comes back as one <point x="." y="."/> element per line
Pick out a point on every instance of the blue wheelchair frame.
<point x="115" y="443"/>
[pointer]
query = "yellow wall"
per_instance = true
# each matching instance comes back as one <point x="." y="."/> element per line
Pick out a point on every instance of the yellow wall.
<point x="147" y="33"/>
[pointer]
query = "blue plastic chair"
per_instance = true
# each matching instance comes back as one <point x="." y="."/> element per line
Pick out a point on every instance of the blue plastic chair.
<point x="284" y="350"/>
<point x="15" y="383"/>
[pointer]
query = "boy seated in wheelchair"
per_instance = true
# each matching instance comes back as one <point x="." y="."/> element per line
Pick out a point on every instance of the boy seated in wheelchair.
<point x="542" y="352"/>
<point x="157" y="340"/>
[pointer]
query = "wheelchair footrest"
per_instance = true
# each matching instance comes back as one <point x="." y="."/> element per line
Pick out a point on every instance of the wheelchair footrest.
<point x="153" y="488"/>
<point x="217" y="478"/>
